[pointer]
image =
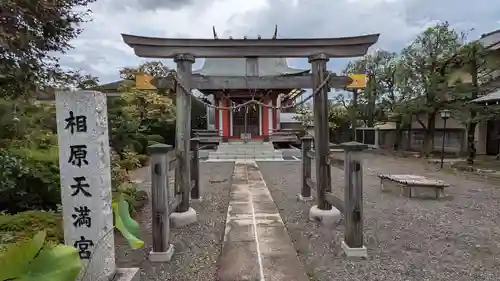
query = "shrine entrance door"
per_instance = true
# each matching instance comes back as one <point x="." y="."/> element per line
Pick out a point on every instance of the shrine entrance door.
<point x="246" y="120"/>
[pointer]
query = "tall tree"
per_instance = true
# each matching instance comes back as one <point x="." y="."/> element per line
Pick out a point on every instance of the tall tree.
<point x="425" y="75"/>
<point x="478" y="65"/>
<point x="30" y="32"/>
<point x="377" y="67"/>
<point x="153" y="68"/>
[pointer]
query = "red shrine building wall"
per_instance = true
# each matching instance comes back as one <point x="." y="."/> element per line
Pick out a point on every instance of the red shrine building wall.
<point x="261" y="121"/>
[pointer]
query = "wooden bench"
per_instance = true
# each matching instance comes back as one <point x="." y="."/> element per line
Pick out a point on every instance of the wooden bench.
<point x="412" y="185"/>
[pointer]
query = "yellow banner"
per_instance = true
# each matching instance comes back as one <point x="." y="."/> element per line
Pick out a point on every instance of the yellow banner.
<point x="358" y="81"/>
<point x="143" y="82"/>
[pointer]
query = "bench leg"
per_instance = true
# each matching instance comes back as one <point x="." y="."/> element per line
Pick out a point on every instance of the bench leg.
<point x="406" y="190"/>
<point x="439" y="192"/>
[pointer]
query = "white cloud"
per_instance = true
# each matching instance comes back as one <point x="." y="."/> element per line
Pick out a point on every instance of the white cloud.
<point x="101" y="51"/>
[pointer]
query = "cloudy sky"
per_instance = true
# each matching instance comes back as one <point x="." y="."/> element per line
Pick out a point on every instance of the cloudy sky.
<point x="101" y="52"/>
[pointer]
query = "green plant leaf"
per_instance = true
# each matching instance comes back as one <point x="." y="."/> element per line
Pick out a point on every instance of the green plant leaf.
<point x="15" y="260"/>
<point x="58" y="263"/>
<point x="128" y="227"/>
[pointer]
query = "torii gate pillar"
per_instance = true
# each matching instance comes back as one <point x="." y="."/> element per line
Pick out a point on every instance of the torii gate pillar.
<point x="184" y="214"/>
<point x="323" y="211"/>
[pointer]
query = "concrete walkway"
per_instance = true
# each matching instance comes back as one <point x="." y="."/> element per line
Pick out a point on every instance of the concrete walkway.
<point x="256" y="243"/>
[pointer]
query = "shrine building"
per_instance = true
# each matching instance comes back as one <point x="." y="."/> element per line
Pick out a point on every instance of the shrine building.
<point x="261" y="121"/>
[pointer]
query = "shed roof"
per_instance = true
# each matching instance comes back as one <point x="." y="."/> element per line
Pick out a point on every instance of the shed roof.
<point x="289" y="117"/>
<point x="491" y="40"/>
<point x="238" y="67"/>
<point x="491" y="97"/>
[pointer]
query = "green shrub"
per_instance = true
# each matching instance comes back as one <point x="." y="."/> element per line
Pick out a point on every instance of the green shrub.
<point x="130" y="194"/>
<point x="44" y="139"/>
<point x="151" y="143"/>
<point x="156" y="138"/>
<point x="24" y="225"/>
<point x="119" y="175"/>
<point x="143" y="159"/>
<point x="29" y="180"/>
<point x="130" y="161"/>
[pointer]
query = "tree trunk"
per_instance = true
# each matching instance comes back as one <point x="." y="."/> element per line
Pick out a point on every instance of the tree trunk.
<point x="399" y="135"/>
<point x="428" y="144"/>
<point x="354" y="113"/>
<point x="471" y="129"/>
<point x="471" y="149"/>
<point x="408" y="141"/>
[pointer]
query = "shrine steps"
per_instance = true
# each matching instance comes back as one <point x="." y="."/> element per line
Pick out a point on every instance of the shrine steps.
<point x="240" y="150"/>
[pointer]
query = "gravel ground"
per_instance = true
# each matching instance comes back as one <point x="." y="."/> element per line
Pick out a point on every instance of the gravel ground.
<point x="197" y="247"/>
<point x="456" y="238"/>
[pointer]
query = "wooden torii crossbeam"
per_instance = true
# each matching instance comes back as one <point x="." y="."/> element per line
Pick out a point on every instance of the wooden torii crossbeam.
<point x="342" y="47"/>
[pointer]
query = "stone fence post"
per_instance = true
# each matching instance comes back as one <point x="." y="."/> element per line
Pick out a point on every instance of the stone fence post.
<point x="162" y="250"/>
<point x="353" y="198"/>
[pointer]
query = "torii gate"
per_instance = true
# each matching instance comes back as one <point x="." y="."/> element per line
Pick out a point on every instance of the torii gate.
<point x="318" y="51"/>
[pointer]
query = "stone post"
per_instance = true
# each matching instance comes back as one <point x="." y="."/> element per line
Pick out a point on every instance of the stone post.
<point x="305" y="192"/>
<point x="184" y="214"/>
<point x="162" y="249"/>
<point x="84" y="163"/>
<point x="377" y="145"/>
<point x="353" y="199"/>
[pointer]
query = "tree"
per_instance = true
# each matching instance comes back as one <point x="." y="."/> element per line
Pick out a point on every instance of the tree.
<point x="378" y="66"/>
<point x="158" y="69"/>
<point x="153" y="68"/>
<point x="425" y="74"/>
<point x="338" y="117"/>
<point x="304" y="115"/>
<point x="478" y="65"/>
<point x="30" y="32"/>
<point x="137" y="114"/>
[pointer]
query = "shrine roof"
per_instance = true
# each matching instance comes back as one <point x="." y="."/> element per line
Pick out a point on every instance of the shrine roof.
<point x="238" y="67"/>
<point x="491" y="40"/>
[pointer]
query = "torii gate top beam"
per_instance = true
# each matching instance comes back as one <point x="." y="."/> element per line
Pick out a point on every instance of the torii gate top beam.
<point x="155" y="47"/>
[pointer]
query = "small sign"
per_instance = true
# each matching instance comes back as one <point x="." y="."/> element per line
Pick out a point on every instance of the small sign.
<point x="358" y="81"/>
<point x="143" y="82"/>
<point x="84" y="164"/>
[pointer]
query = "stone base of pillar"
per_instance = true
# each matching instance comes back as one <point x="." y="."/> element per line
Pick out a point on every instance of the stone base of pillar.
<point x="354" y="252"/>
<point x="304" y="199"/>
<point x="326" y="217"/>
<point x="179" y="220"/>
<point x="162" y="256"/>
<point x="127" y="274"/>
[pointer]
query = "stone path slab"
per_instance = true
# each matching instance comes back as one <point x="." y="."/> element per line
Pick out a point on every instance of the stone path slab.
<point x="256" y="243"/>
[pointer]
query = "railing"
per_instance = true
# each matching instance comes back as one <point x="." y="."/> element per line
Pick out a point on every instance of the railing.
<point x="207" y="136"/>
<point x="167" y="192"/>
<point x="352" y="204"/>
<point x="285" y="135"/>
